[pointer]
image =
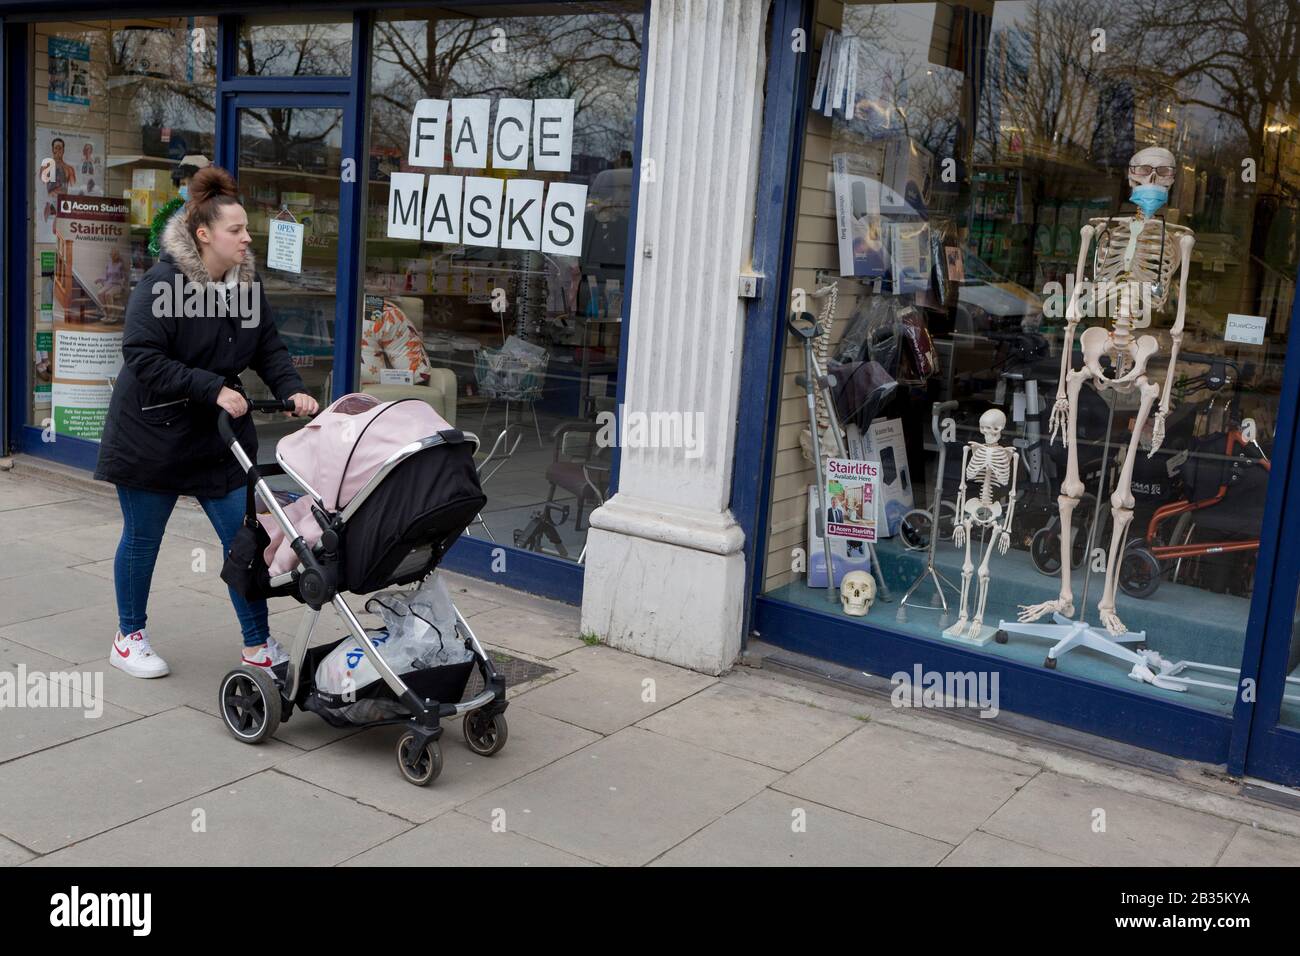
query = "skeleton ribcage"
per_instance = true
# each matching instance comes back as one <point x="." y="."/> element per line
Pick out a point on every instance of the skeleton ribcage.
<point x="1150" y="266"/>
<point x="990" y="465"/>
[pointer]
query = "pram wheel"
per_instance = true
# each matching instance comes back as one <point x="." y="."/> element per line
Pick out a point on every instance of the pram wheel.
<point x="419" y="766"/>
<point x="250" y="704"/>
<point x="485" y="735"/>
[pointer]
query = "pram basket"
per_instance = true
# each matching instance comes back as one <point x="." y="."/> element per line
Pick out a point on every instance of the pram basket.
<point x="385" y="519"/>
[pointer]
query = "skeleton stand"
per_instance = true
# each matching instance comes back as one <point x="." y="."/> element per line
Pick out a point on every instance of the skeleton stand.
<point x="1067" y="634"/>
<point x="930" y="571"/>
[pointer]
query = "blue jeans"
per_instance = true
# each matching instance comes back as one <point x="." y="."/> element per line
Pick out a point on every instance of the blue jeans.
<point x="144" y="519"/>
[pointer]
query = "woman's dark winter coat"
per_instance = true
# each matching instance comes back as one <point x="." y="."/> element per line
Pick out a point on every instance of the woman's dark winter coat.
<point x="161" y="429"/>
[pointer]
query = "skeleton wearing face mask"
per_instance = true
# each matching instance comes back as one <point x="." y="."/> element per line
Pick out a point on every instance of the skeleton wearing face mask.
<point x="1133" y="268"/>
<point x="988" y="466"/>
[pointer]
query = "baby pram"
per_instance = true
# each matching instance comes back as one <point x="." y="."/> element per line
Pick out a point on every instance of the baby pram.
<point x="395" y="486"/>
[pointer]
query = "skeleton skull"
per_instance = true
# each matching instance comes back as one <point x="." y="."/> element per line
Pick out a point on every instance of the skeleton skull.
<point x="857" y="593"/>
<point x="991" y="424"/>
<point x="1157" y="158"/>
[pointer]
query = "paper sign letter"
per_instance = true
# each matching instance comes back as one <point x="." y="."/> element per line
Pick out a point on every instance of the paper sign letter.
<point x="482" y="211"/>
<point x="428" y="145"/>
<point x="469" y="133"/>
<point x="553" y="135"/>
<point x="566" y="206"/>
<point x="442" y="209"/>
<point x="405" y="192"/>
<point x="510" y="136"/>
<point x="522" y="218"/>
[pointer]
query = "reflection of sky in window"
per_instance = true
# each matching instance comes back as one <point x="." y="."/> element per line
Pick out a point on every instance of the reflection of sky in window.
<point x="899" y="88"/>
<point x="534" y="66"/>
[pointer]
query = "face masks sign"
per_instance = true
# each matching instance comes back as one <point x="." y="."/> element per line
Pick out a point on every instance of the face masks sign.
<point x="486" y="210"/>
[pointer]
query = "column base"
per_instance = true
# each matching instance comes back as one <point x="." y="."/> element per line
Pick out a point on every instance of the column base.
<point x="651" y="593"/>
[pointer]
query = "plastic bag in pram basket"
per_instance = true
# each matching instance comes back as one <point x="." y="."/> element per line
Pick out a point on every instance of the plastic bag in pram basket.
<point x="419" y="632"/>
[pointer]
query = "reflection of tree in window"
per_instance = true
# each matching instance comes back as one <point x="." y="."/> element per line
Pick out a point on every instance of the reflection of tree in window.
<point x="591" y="58"/>
<point x="295" y="49"/>
<point x="175" y="83"/>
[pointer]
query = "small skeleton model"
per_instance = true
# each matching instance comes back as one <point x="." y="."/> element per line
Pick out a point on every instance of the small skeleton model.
<point x="990" y="466"/>
<point x="1134" y="263"/>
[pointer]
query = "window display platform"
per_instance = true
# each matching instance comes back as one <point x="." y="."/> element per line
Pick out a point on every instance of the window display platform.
<point x="1210" y="633"/>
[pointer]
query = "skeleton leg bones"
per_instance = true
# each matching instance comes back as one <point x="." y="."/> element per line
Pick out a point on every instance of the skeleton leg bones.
<point x="966" y="569"/>
<point x="1121" y="510"/>
<point x="1072" y="489"/>
<point x="978" y="620"/>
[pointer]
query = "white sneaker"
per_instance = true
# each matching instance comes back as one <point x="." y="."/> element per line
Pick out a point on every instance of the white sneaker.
<point x="134" y="655"/>
<point x="268" y="656"/>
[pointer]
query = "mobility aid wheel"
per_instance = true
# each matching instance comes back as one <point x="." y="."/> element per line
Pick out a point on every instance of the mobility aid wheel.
<point x="1139" y="571"/>
<point x="485" y="735"/>
<point x="1045" y="549"/>
<point x="915" y="529"/>
<point x="419" y="766"/>
<point x="250" y="704"/>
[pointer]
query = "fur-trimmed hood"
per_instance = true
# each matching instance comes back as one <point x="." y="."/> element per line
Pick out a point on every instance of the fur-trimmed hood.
<point x="177" y="242"/>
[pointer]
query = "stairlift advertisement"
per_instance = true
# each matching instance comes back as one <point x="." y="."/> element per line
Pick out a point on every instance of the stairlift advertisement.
<point x="852" y="493"/>
<point x="91" y="276"/>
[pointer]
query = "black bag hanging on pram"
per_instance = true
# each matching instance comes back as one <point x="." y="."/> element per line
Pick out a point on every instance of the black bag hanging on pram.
<point x="245" y="566"/>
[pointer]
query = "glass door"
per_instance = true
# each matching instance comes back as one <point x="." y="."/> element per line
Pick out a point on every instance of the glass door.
<point x="289" y="166"/>
<point x="1268" y="704"/>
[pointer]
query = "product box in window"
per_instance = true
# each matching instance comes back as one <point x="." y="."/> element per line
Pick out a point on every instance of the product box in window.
<point x="908" y="177"/>
<point x="883" y="442"/>
<point x="847" y="554"/>
<point x="860" y="229"/>
<point x="152" y="180"/>
<point x="141" y="201"/>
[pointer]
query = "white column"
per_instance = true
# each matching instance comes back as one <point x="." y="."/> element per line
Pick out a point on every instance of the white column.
<point x="664" y="570"/>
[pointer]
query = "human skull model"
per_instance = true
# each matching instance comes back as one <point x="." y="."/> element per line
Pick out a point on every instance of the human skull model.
<point x="1161" y="163"/>
<point x="991" y="424"/>
<point x="857" y="593"/>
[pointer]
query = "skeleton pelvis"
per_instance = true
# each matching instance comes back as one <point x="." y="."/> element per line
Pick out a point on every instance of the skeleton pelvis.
<point x="1097" y="341"/>
<point x="982" y="514"/>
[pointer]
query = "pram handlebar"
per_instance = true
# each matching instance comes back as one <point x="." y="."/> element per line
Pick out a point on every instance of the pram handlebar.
<point x="225" y="423"/>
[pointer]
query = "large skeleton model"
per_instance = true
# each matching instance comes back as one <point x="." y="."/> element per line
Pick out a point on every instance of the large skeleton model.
<point x="1133" y="267"/>
<point x="988" y="465"/>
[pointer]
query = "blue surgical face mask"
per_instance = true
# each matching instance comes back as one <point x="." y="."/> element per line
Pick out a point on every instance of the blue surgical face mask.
<point x="1149" y="197"/>
<point x="185" y="192"/>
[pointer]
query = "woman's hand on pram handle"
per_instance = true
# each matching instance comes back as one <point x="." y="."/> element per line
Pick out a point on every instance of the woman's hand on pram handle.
<point x="301" y="404"/>
<point x="232" y="402"/>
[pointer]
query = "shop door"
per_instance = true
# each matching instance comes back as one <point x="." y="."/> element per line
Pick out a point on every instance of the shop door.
<point x="289" y="158"/>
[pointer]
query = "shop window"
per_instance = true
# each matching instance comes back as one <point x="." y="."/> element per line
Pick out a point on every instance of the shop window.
<point x="512" y="335"/>
<point x="307" y="44"/>
<point x="118" y="108"/>
<point x="957" y="158"/>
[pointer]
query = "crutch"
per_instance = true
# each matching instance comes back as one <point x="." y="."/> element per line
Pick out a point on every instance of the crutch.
<point x="936" y="500"/>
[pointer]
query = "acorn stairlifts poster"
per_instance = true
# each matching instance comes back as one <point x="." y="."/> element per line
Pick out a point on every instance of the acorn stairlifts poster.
<point x="91" y="275"/>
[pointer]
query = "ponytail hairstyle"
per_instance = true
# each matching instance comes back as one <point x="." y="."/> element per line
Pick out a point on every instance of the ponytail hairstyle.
<point x="210" y="189"/>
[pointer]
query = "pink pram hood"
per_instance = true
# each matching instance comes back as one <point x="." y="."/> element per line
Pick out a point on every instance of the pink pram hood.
<point x="337" y="453"/>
